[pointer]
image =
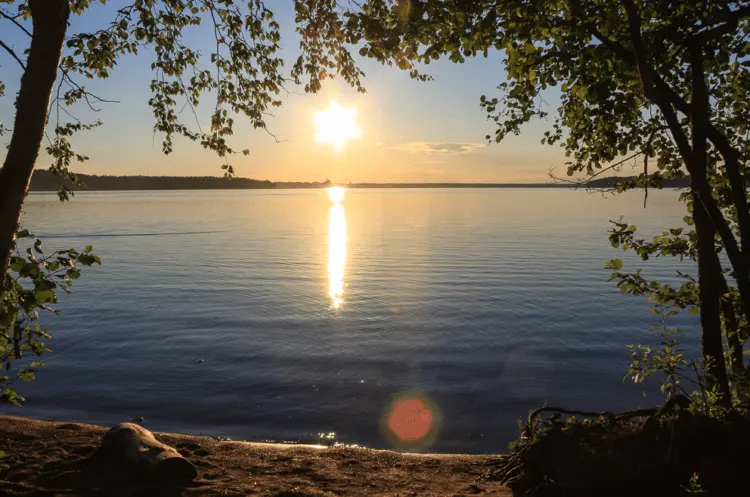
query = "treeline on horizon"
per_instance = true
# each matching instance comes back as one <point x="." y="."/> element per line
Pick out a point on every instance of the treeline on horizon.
<point x="45" y="181"/>
<point x="613" y="181"/>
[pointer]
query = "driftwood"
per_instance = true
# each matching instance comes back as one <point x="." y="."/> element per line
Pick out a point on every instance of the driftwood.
<point x="543" y="460"/>
<point x="669" y="406"/>
<point x="136" y="447"/>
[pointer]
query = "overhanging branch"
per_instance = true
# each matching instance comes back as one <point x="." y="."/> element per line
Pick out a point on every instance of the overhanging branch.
<point x="12" y="54"/>
<point x="658" y="84"/>
<point x="14" y="21"/>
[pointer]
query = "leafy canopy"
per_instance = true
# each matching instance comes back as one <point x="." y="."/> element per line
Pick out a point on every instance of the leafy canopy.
<point x="243" y="74"/>
<point x="662" y="81"/>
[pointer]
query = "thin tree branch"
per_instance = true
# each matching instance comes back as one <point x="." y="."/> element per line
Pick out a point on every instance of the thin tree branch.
<point x="86" y="95"/>
<point x="14" y="21"/>
<point x="645" y="185"/>
<point x="593" y="176"/>
<point x="12" y="53"/>
<point x="734" y="16"/>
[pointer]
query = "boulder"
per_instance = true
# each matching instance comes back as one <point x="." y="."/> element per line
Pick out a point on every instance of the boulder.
<point x="135" y="446"/>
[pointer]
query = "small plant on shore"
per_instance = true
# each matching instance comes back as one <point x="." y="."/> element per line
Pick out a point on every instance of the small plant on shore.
<point x="717" y="381"/>
<point x="694" y="485"/>
<point x="31" y="287"/>
<point x="680" y="376"/>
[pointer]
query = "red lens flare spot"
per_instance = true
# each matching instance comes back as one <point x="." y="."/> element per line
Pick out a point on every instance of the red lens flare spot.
<point x="410" y="420"/>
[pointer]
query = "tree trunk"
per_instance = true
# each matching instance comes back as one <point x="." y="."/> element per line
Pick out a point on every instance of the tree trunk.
<point x="708" y="269"/>
<point x="50" y="22"/>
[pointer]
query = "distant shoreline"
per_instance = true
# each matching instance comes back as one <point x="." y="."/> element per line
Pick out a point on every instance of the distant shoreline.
<point x="44" y="181"/>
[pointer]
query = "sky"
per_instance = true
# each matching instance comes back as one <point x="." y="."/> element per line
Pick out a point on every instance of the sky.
<point x="411" y="131"/>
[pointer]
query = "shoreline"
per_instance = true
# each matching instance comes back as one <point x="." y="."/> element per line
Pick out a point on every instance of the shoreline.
<point x="39" y="452"/>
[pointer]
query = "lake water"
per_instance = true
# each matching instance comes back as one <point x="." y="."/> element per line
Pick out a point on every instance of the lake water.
<point x="277" y="315"/>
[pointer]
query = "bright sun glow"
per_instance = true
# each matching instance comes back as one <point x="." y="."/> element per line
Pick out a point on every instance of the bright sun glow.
<point x="336" y="194"/>
<point x="336" y="125"/>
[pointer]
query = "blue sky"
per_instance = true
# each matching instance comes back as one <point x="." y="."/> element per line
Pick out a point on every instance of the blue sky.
<point x="412" y="131"/>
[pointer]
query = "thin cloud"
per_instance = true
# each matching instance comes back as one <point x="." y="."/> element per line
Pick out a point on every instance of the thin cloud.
<point x="440" y="148"/>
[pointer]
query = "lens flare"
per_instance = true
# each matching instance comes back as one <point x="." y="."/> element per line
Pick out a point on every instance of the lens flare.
<point x="411" y="421"/>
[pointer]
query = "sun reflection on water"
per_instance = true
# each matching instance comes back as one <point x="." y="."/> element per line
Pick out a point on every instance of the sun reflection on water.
<point x="336" y="194"/>
<point x="336" y="253"/>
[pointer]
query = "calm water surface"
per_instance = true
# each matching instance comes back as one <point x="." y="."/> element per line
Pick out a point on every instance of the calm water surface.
<point x="310" y="317"/>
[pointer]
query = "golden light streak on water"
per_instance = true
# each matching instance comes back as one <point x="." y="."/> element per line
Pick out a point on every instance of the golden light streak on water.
<point x="336" y="253"/>
<point x="336" y="194"/>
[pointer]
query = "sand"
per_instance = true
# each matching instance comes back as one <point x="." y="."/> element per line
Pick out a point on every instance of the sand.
<point x="52" y="458"/>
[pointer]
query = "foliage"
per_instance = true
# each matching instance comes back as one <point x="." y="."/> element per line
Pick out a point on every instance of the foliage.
<point x="663" y="82"/>
<point x="242" y="73"/>
<point x="668" y="359"/>
<point x="636" y="453"/>
<point x="666" y="301"/>
<point x="694" y="486"/>
<point x="31" y="287"/>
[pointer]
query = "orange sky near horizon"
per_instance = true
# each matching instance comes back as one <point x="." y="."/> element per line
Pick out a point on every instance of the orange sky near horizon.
<point x="395" y="146"/>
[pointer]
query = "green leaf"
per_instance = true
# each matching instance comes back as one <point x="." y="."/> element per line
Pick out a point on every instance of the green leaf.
<point x="44" y="296"/>
<point x="614" y="264"/>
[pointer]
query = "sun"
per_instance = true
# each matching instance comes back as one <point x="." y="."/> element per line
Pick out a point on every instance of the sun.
<point x="336" y="125"/>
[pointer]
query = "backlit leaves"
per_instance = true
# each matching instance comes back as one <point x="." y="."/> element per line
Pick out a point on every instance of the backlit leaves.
<point x="31" y="286"/>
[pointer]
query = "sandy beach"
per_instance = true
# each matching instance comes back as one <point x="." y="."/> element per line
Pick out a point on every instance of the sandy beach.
<point x="52" y="458"/>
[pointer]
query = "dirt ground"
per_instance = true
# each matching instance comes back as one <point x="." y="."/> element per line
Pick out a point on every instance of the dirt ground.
<point x="53" y="459"/>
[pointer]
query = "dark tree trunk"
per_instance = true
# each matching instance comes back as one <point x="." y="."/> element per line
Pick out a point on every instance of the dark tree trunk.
<point x="50" y="22"/>
<point x="709" y="267"/>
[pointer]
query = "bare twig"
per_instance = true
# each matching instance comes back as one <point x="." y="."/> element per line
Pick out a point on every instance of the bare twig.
<point x="88" y="96"/>
<point x="14" y="21"/>
<point x="12" y="54"/>
<point x="645" y="185"/>
<point x="594" y="176"/>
